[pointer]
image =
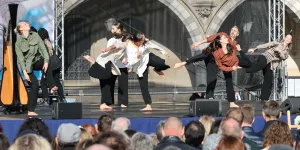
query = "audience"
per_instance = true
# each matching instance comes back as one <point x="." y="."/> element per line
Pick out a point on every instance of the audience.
<point x="159" y="130"/>
<point x="38" y="126"/>
<point x="231" y="143"/>
<point x="207" y="122"/>
<point x="130" y="132"/>
<point x="215" y="126"/>
<point x="231" y="127"/>
<point x="194" y="133"/>
<point x="115" y="140"/>
<point x="85" y="135"/>
<point x="248" y="113"/>
<point x="236" y="113"/>
<point x="271" y="112"/>
<point x="98" y="147"/>
<point x="4" y="144"/>
<point x="104" y="124"/>
<point x="172" y="132"/>
<point x="30" y="142"/>
<point x="120" y="124"/>
<point x="90" y="129"/>
<point x="142" y="141"/>
<point x="278" y="133"/>
<point x="68" y="135"/>
<point x="211" y="141"/>
<point x="84" y="144"/>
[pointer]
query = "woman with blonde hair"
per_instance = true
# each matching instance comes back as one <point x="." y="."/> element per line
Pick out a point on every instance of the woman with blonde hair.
<point x="32" y="55"/>
<point x="30" y="142"/>
<point x="207" y="122"/>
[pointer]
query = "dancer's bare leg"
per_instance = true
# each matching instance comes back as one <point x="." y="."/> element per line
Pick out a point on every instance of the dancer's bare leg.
<point x="148" y="107"/>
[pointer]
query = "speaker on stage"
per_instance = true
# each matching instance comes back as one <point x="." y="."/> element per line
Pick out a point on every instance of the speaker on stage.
<point x="292" y="104"/>
<point x="205" y="107"/>
<point x="67" y="111"/>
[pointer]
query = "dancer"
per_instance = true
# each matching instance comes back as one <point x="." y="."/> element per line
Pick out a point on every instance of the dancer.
<point x="32" y="55"/>
<point x="139" y="59"/>
<point x="108" y="85"/>
<point x="273" y="53"/>
<point x="104" y="68"/>
<point x="212" y="68"/>
<point x="53" y="73"/>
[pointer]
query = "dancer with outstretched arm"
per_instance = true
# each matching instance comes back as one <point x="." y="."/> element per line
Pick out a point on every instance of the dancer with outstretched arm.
<point x="273" y="53"/>
<point x="139" y="59"/>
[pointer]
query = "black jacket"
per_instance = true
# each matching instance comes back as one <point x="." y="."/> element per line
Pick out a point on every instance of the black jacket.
<point x="173" y="141"/>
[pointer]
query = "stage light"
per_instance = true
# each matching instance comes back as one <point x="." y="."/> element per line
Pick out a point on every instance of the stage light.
<point x="109" y="23"/>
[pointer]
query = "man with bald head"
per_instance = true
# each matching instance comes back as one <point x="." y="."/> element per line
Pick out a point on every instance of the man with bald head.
<point x="172" y="132"/>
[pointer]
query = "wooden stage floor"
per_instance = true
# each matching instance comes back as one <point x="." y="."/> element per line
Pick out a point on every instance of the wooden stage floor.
<point x="163" y="106"/>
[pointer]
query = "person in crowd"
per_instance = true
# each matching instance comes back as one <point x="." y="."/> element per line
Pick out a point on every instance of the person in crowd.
<point x="278" y="133"/>
<point x="121" y="124"/>
<point x="271" y="112"/>
<point x="248" y="113"/>
<point x="211" y="141"/>
<point x="207" y="122"/>
<point x="98" y="147"/>
<point x="139" y="59"/>
<point x="68" y="135"/>
<point x="235" y="113"/>
<point x="38" y="126"/>
<point x="85" y="135"/>
<point x="52" y="80"/>
<point x="142" y="141"/>
<point x="90" y="129"/>
<point x="172" y="132"/>
<point x="231" y="143"/>
<point x="115" y="140"/>
<point x="104" y="124"/>
<point x="194" y="133"/>
<point x="32" y="55"/>
<point x="30" y="142"/>
<point x="273" y="53"/>
<point x="4" y="144"/>
<point x="232" y="127"/>
<point x="215" y="126"/>
<point x="158" y="131"/>
<point x="84" y="144"/>
<point x="130" y="132"/>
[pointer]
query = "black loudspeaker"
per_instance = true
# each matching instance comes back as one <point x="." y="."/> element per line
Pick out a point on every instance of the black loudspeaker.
<point x="292" y="104"/>
<point x="67" y="111"/>
<point x="205" y="107"/>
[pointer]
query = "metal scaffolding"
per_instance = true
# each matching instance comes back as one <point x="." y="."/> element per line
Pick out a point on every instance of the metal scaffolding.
<point x="59" y="33"/>
<point x="277" y="33"/>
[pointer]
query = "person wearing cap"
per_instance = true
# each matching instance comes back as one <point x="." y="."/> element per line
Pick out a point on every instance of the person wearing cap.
<point x="32" y="55"/>
<point x="68" y="135"/>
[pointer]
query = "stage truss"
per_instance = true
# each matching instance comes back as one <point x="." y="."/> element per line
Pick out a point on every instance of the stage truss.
<point x="276" y="33"/>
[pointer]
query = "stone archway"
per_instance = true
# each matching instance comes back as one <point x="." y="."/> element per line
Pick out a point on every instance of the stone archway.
<point x="230" y="5"/>
<point x="177" y="6"/>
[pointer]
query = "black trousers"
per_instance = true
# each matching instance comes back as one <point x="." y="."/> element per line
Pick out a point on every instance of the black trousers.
<point x="107" y="86"/>
<point x="212" y="72"/>
<point x="244" y="61"/>
<point x="122" y="87"/>
<point x="262" y="64"/>
<point x="159" y="65"/>
<point x="34" y="86"/>
<point x="55" y="81"/>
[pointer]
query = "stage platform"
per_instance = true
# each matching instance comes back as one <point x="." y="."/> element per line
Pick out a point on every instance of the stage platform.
<point x="146" y="122"/>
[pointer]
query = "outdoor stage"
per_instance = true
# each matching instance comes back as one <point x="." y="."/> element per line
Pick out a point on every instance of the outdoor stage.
<point x="140" y="121"/>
